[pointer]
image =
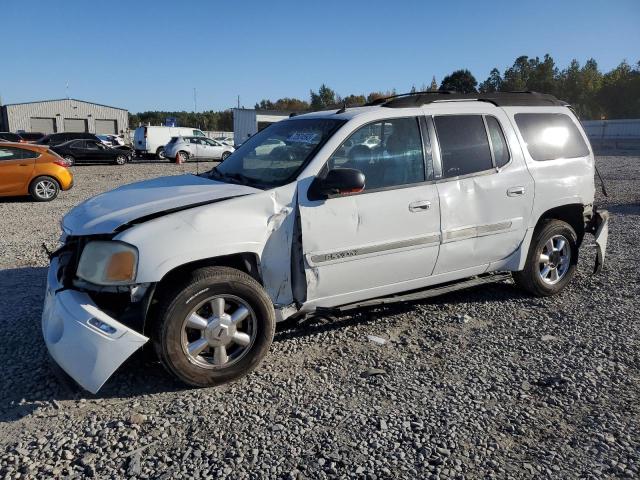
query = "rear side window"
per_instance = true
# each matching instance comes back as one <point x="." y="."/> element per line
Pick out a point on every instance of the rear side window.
<point x="9" y="153"/>
<point x="498" y="142"/>
<point x="464" y="144"/>
<point x="551" y="135"/>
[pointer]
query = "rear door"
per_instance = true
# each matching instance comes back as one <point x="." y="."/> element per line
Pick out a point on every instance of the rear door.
<point x="485" y="190"/>
<point x="16" y="168"/>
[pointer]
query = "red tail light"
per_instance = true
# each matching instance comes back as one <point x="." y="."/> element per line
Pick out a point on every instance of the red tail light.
<point x="62" y="163"/>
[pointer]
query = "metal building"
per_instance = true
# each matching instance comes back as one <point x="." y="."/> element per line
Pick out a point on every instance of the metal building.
<point x="247" y="122"/>
<point x="65" y="115"/>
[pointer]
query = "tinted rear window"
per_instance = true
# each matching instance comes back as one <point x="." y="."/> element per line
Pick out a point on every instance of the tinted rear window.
<point x="464" y="145"/>
<point x="551" y="135"/>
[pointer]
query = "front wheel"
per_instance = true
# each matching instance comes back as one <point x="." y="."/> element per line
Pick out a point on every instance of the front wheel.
<point x="160" y="153"/>
<point x="215" y="327"/>
<point x="551" y="261"/>
<point x="121" y="159"/>
<point x="224" y="156"/>
<point x="70" y="160"/>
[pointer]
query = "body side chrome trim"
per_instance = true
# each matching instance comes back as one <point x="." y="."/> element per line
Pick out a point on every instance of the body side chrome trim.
<point x="315" y="259"/>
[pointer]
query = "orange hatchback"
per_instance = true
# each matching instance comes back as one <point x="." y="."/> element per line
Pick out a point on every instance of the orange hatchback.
<point x="32" y="170"/>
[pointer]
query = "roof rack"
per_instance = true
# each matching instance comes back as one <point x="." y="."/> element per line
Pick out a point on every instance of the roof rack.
<point x="499" y="99"/>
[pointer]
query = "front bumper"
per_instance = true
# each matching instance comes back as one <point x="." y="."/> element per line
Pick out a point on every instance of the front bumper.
<point x="86" y="342"/>
<point x="600" y="230"/>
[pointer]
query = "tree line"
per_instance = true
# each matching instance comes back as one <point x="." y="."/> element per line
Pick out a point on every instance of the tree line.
<point x="594" y="94"/>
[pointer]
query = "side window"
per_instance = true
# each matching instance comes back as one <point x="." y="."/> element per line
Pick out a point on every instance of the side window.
<point x="464" y="144"/>
<point x="8" y="153"/>
<point x="91" y="146"/>
<point x="198" y="133"/>
<point x="551" y="135"/>
<point x="29" y="153"/>
<point x="498" y="142"/>
<point x="78" y="144"/>
<point x="389" y="153"/>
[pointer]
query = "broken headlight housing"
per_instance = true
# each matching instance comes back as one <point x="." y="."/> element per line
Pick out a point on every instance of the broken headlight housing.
<point x="108" y="263"/>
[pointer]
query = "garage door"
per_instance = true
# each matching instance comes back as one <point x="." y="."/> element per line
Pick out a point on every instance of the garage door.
<point x="106" y="127"/>
<point x="75" y="125"/>
<point x="44" y="125"/>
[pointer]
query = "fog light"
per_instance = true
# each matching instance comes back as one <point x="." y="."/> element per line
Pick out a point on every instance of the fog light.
<point x="103" y="327"/>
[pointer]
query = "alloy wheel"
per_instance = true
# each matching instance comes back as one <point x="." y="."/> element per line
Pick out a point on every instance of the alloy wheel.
<point x="45" y="189"/>
<point x="555" y="259"/>
<point x="218" y="332"/>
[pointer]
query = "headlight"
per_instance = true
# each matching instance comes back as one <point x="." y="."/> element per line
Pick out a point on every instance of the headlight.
<point x="108" y="263"/>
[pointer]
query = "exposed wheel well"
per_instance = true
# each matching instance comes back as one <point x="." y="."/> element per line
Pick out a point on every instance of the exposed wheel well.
<point x="572" y="214"/>
<point x="245" y="262"/>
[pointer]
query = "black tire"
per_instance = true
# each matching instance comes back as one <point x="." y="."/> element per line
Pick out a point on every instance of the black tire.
<point x="160" y="153"/>
<point x="530" y="278"/>
<point x="121" y="160"/>
<point x="224" y="156"/>
<point x="43" y="184"/>
<point x="70" y="160"/>
<point x="180" y="300"/>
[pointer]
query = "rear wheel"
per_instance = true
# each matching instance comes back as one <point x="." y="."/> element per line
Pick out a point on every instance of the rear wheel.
<point x="70" y="160"/>
<point x="160" y="153"/>
<point x="551" y="261"/>
<point x="215" y="327"/>
<point x="44" y="189"/>
<point x="224" y="156"/>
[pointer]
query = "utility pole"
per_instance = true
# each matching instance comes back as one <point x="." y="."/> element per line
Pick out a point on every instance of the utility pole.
<point x="238" y="101"/>
<point x="195" y="101"/>
<point x="67" y="89"/>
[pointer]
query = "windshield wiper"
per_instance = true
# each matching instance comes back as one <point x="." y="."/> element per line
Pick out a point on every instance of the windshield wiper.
<point x="234" y="177"/>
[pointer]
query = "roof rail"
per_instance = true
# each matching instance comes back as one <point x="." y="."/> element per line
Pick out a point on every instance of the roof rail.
<point x="499" y="99"/>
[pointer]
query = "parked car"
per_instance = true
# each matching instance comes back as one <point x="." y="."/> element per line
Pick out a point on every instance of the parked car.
<point x="224" y="140"/>
<point x="57" y="138"/>
<point x="266" y="147"/>
<point x="200" y="148"/>
<point x="152" y="140"/>
<point x="112" y="140"/>
<point x="458" y="193"/>
<point x="31" y="137"/>
<point x="94" y="151"/>
<point x="11" y="137"/>
<point x="32" y="170"/>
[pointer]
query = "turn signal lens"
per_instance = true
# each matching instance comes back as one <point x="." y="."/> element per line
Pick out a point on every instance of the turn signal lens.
<point x="120" y="267"/>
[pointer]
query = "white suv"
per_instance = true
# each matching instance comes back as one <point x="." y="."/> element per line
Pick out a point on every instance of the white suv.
<point x="459" y="190"/>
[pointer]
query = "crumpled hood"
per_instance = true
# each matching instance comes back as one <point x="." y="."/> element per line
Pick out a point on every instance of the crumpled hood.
<point x="107" y="211"/>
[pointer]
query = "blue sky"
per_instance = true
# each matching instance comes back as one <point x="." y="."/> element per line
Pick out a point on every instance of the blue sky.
<point x="150" y="55"/>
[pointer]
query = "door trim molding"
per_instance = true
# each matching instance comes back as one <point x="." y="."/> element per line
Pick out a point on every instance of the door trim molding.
<point x="337" y="256"/>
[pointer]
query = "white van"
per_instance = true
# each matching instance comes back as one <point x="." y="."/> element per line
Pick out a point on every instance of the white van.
<point x="151" y="140"/>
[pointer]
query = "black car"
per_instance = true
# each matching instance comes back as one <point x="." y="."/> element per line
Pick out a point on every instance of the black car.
<point x="92" y="151"/>
<point x="9" y="137"/>
<point x="58" y="138"/>
<point x="32" y="136"/>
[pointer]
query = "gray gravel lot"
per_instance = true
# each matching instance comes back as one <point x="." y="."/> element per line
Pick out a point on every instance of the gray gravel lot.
<point x="481" y="383"/>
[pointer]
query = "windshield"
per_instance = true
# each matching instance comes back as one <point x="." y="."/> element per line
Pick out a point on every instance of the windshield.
<point x="275" y="155"/>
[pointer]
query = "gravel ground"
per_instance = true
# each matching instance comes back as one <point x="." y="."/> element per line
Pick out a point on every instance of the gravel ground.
<point x="482" y="383"/>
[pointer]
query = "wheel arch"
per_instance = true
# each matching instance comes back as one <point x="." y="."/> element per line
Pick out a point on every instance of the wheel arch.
<point x="572" y="213"/>
<point x="247" y="262"/>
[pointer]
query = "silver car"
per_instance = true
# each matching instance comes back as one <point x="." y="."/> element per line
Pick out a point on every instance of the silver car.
<point x="200" y="148"/>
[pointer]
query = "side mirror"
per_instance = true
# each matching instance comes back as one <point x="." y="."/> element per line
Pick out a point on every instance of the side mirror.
<point x="338" y="181"/>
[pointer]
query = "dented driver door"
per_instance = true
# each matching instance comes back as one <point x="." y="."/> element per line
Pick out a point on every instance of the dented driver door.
<point x="384" y="239"/>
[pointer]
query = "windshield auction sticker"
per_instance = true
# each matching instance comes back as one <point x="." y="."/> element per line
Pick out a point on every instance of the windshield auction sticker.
<point x="303" y="137"/>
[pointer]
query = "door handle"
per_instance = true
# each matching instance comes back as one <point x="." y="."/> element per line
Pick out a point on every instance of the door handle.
<point x="420" y="206"/>
<point x="515" y="191"/>
<point x="23" y="164"/>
